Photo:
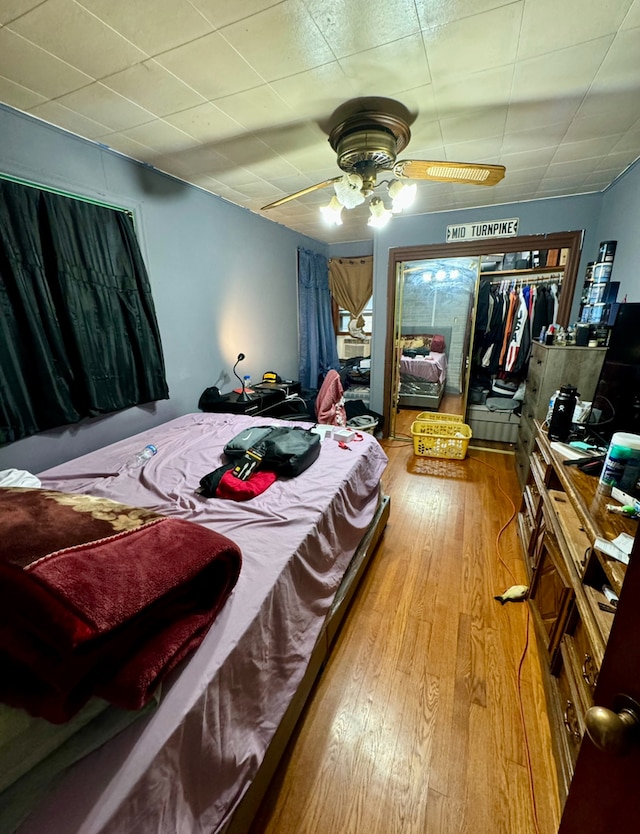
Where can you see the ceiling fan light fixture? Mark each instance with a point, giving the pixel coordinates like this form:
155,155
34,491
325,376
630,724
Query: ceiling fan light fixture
349,190
402,195
380,214
332,213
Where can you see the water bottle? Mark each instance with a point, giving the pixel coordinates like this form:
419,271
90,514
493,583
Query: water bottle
141,457
247,383
562,416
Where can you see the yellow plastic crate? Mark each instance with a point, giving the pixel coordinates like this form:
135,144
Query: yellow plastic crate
440,438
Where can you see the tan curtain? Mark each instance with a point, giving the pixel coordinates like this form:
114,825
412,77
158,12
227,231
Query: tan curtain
351,282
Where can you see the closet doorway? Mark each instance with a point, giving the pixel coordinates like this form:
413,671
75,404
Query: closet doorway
432,292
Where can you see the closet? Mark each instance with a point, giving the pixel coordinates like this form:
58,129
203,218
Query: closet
512,313
508,263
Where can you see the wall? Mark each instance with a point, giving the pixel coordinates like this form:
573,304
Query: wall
619,220
536,217
223,279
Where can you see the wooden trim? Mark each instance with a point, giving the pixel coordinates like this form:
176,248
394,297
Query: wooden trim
556,240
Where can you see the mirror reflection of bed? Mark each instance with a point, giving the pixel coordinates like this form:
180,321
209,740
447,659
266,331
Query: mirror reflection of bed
423,365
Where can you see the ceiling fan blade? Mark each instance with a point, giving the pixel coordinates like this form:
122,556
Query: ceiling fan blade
468,172
301,193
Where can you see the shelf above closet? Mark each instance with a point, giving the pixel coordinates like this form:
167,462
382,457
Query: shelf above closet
511,273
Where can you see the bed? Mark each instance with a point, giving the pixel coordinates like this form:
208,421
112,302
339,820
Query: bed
422,369
199,758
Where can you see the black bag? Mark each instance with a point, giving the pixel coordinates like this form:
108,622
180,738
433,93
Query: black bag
286,450
211,397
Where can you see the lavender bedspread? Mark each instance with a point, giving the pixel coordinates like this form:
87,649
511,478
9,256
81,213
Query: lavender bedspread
431,368
186,766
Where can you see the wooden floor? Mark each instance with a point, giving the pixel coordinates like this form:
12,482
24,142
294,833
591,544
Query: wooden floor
430,717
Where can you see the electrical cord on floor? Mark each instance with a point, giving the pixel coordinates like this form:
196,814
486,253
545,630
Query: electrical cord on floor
525,649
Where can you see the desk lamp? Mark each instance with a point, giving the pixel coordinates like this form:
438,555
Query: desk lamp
243,397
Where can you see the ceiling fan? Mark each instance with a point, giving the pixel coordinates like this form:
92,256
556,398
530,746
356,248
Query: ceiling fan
367,143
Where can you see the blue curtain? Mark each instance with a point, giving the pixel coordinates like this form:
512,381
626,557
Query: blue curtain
318,349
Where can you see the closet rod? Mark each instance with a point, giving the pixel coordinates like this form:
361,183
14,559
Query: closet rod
528,279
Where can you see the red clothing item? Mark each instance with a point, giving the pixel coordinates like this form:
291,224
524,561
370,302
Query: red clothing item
232,487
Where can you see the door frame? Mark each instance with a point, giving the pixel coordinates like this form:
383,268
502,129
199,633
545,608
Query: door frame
556,240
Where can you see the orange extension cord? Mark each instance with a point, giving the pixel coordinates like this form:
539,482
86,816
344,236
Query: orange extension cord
526,641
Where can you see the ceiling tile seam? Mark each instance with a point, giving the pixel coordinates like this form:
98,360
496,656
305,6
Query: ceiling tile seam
266,81
436,115
513,73
576,118
130,42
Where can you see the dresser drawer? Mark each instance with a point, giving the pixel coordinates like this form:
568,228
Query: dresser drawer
583,658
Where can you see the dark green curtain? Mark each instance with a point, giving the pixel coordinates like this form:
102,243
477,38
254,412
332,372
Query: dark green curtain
78,330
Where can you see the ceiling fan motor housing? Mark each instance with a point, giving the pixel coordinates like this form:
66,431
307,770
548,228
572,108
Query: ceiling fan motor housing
368,142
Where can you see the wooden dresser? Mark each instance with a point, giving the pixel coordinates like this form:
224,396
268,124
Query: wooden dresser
549,368
560,517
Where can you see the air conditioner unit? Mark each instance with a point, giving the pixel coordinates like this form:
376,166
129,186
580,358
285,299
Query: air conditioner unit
356,347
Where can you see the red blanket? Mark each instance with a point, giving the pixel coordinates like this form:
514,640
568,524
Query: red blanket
100,598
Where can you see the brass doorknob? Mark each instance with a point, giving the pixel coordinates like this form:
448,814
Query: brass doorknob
614,731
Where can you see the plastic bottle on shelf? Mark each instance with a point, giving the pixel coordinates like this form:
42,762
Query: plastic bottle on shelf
141,457
247,383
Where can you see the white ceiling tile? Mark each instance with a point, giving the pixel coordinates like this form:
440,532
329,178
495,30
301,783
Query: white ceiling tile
525,176
440,12
571,151
613,74
363,24
487,89
378,71
211,67
257,108
473,44
629,141
153,87
556,113
126,145
103,105
617,161
546,136
548,25
201,159
295,42
155,26
205,122
613,112
222,12
34,68
57,114
474,125
527,159
71,33
161,136
478,150
633,16
567,72
578,167
11,9
15,95
317,92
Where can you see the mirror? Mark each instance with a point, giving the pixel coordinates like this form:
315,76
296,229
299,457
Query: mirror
435,306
